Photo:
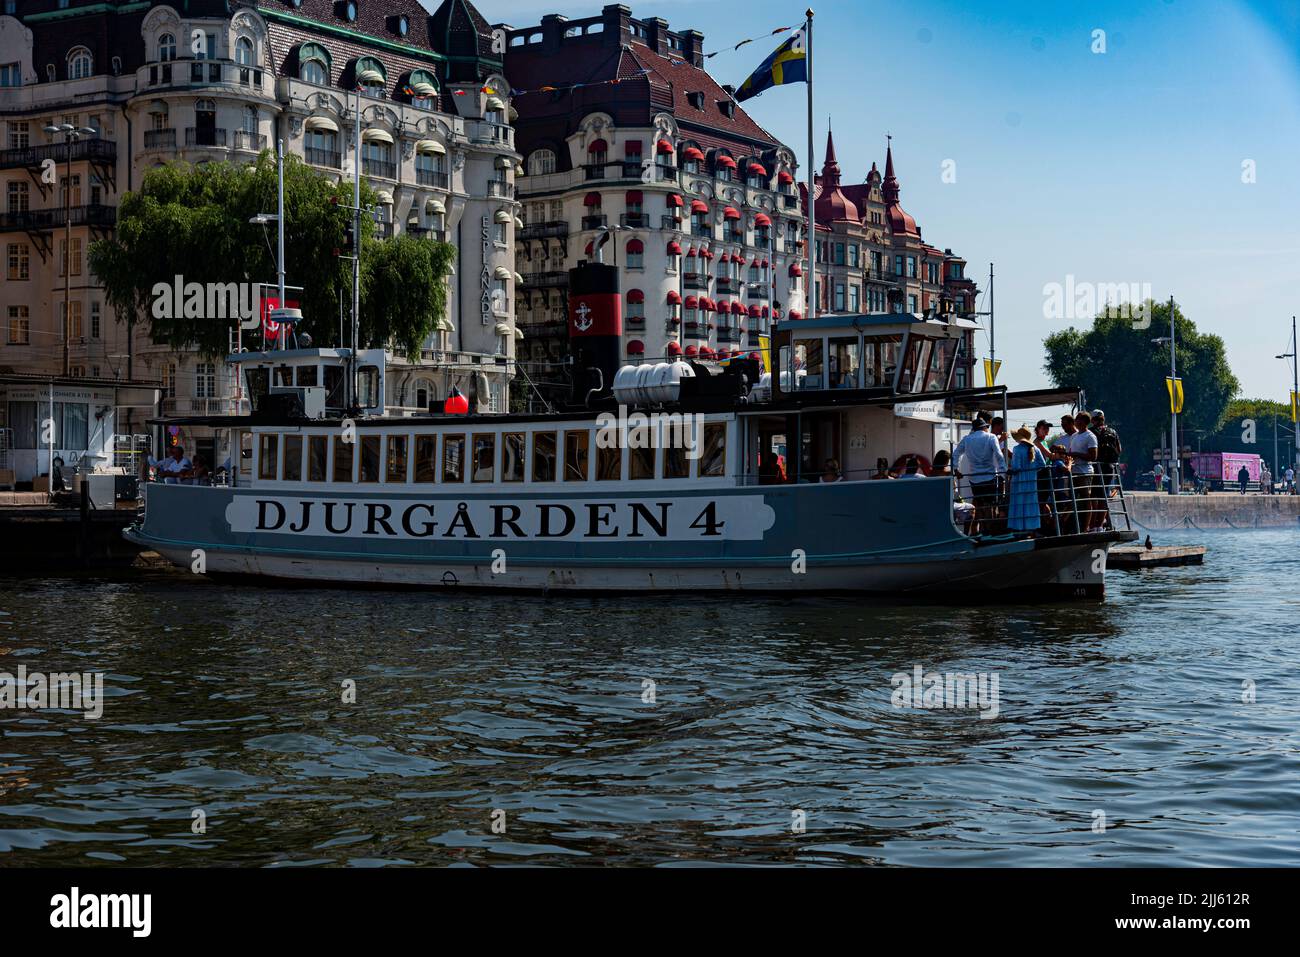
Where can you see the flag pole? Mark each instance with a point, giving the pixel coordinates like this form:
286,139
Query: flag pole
812,205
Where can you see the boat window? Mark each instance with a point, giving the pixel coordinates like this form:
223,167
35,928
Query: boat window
609,464
713,455
576,449
426,458
292,469
334,397
640,464
676,465
485,455
259,381
808,357
283,375
342,460
395,469
938,373
453,458
267,455
879,360
543,456
317,453
512,456
369,459
842,363
305,375
368,387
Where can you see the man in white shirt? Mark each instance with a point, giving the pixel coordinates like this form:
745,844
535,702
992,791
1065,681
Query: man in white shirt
1082,446
1290,479
171,470
979,458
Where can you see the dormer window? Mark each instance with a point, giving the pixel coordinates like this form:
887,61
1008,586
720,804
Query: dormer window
80,64
424,88
348,11
696,100
314,64
728,108
370,77
166,47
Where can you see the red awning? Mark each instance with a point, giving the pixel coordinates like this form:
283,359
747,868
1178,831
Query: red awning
766,312
635,296
597,146
796,314
692,302
796,269
706,254
753,312
674,349
765,264
736,308
674,201
591,199
754,261
674,248
692,351
663,146
674,297
635,246
691,153
784,178
726,161
699,206
632,148
636,347
731,213
706,303
707,353
757,169
634,196
762,219
690,253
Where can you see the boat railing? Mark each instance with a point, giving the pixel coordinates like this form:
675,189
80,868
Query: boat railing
1047,502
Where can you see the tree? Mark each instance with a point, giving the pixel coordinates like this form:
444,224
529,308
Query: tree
1248,427
1123,372
193,222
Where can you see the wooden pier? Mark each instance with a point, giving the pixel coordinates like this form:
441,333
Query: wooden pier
1157,556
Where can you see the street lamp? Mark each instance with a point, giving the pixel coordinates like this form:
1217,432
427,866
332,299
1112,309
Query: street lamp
70,135
1295,392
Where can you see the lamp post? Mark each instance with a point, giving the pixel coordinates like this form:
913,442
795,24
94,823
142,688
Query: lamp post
1173,380
1295,393
70,135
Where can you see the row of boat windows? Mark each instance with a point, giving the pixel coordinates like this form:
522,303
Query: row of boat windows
524,457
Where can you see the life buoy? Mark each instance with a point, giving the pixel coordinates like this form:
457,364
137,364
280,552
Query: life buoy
901,461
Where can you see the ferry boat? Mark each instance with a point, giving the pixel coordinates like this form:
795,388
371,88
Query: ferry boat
682,476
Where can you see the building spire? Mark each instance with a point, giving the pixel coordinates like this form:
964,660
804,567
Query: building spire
889,189
831,168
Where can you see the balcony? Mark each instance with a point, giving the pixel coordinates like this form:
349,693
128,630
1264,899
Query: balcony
634,220
160,139
432,177
594,222
703,230
500,189
205,136
95,150
43,219
481,131
248,140
670,222
695,280
331,159
788,201
728,286
728,334
889,279
193,405
380,168
383,230
547,280
544,230
635,323
758,290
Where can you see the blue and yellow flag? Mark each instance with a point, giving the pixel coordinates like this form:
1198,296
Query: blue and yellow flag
789,64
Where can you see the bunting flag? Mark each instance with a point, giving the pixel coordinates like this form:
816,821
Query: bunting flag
788,64
1175,389
991,369
770,33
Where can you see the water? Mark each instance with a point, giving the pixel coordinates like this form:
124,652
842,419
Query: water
229,700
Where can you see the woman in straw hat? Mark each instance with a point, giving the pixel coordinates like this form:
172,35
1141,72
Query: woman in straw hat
1026,461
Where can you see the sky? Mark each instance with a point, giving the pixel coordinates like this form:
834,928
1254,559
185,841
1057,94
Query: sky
1168,162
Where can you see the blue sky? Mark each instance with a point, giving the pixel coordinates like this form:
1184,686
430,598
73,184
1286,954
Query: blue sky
1123,166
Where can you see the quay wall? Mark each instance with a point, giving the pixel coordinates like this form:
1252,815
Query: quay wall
1153,510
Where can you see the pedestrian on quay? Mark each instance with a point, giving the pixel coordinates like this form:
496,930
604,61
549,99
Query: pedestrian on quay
1265,481
1243,478
1289,475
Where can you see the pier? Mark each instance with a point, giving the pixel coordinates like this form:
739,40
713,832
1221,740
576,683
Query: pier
37,534
1155,511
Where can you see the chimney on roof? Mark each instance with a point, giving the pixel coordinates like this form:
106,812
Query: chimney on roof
656,29
616,24
693,47
553,32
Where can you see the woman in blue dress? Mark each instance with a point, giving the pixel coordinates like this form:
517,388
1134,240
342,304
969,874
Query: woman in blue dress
1023,513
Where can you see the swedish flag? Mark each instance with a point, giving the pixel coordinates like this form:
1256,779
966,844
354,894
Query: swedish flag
789,64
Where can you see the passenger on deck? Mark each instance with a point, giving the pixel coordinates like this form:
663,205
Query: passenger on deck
1027,463
1057,471
1087,487
979,458
198,473
171,470
912,468
942,464
832,472
770,471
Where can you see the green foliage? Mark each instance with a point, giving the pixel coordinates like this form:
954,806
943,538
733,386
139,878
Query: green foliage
1236,428
193,221
1123,372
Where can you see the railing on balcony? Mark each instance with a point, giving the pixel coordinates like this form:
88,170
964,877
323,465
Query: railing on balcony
380,168
544,230
728,285
195,405
703,230
434,178
758,290
636,323
695,280
205,136
726,334
552,278
634,220
160,139
248,140
316,156
670,222
889,278
39,219
383,230
594,222
92,149
481,131
501,189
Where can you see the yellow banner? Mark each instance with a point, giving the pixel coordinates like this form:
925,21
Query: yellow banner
765,350
991,368
1295,400
1175,389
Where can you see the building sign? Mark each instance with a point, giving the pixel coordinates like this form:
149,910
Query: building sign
663,519
931,411
485,276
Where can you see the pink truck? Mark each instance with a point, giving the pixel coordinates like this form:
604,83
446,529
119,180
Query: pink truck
1220,469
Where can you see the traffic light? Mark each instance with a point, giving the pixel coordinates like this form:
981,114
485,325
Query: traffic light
349,238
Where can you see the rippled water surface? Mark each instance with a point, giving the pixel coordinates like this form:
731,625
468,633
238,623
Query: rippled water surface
230,699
